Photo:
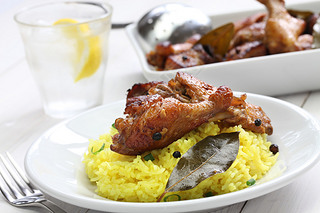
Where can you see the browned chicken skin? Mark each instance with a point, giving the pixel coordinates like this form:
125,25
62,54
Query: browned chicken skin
142,89
193,57
250,116
249,30
155,121
246,22
164,112
165,49
283,31
247,50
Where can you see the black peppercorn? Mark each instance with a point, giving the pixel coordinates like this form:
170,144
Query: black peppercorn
176,154
274,148
157,136
184,57
257,122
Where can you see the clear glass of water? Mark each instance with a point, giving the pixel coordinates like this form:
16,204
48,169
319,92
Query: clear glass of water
66,46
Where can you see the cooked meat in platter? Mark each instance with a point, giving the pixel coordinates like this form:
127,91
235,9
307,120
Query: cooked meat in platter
164,112
247,50
253,32
283,32
165,49
247,22
193,57
261,34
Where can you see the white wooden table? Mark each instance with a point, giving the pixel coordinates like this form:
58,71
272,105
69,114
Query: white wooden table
22,120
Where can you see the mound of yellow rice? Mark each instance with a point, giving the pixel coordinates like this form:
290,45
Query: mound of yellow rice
133,179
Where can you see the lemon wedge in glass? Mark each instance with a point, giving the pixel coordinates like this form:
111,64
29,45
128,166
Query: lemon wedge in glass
88,48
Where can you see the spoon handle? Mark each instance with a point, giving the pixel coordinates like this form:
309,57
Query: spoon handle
119,25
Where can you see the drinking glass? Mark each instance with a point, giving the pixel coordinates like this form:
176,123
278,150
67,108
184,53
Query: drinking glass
66,46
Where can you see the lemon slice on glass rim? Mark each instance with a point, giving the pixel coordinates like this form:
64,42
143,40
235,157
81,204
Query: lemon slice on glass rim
88,48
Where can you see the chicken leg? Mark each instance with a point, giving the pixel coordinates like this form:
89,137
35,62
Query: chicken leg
283,32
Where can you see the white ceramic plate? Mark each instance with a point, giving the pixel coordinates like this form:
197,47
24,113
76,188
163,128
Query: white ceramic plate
268,75
53,162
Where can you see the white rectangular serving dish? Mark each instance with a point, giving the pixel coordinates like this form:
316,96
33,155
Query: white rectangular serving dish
268,75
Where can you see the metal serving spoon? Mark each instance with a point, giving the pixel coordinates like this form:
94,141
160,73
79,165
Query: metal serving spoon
172,22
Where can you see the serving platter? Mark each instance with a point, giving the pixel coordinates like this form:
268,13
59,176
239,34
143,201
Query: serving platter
268,75
54,161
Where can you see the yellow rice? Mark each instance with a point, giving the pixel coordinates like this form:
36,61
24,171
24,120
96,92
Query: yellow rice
131,178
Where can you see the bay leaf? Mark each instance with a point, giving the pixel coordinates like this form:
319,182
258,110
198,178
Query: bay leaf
210,156
219,38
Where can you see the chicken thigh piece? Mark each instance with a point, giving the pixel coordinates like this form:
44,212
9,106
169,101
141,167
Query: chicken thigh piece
249,116
283,31
166,113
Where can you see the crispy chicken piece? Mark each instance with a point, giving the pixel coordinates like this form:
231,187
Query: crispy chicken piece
156,120
254,32
164,49
248,39
157,117
243,23
193,57
250,116
247,50
142,89
188,58
283,31
167,56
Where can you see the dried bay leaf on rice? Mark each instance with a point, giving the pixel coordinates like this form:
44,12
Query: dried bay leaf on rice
219,39
210,156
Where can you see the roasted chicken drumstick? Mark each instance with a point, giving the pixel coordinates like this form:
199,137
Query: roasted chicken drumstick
159,113
283,31
167,113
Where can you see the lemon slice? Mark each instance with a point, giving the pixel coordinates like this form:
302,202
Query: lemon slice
88,49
